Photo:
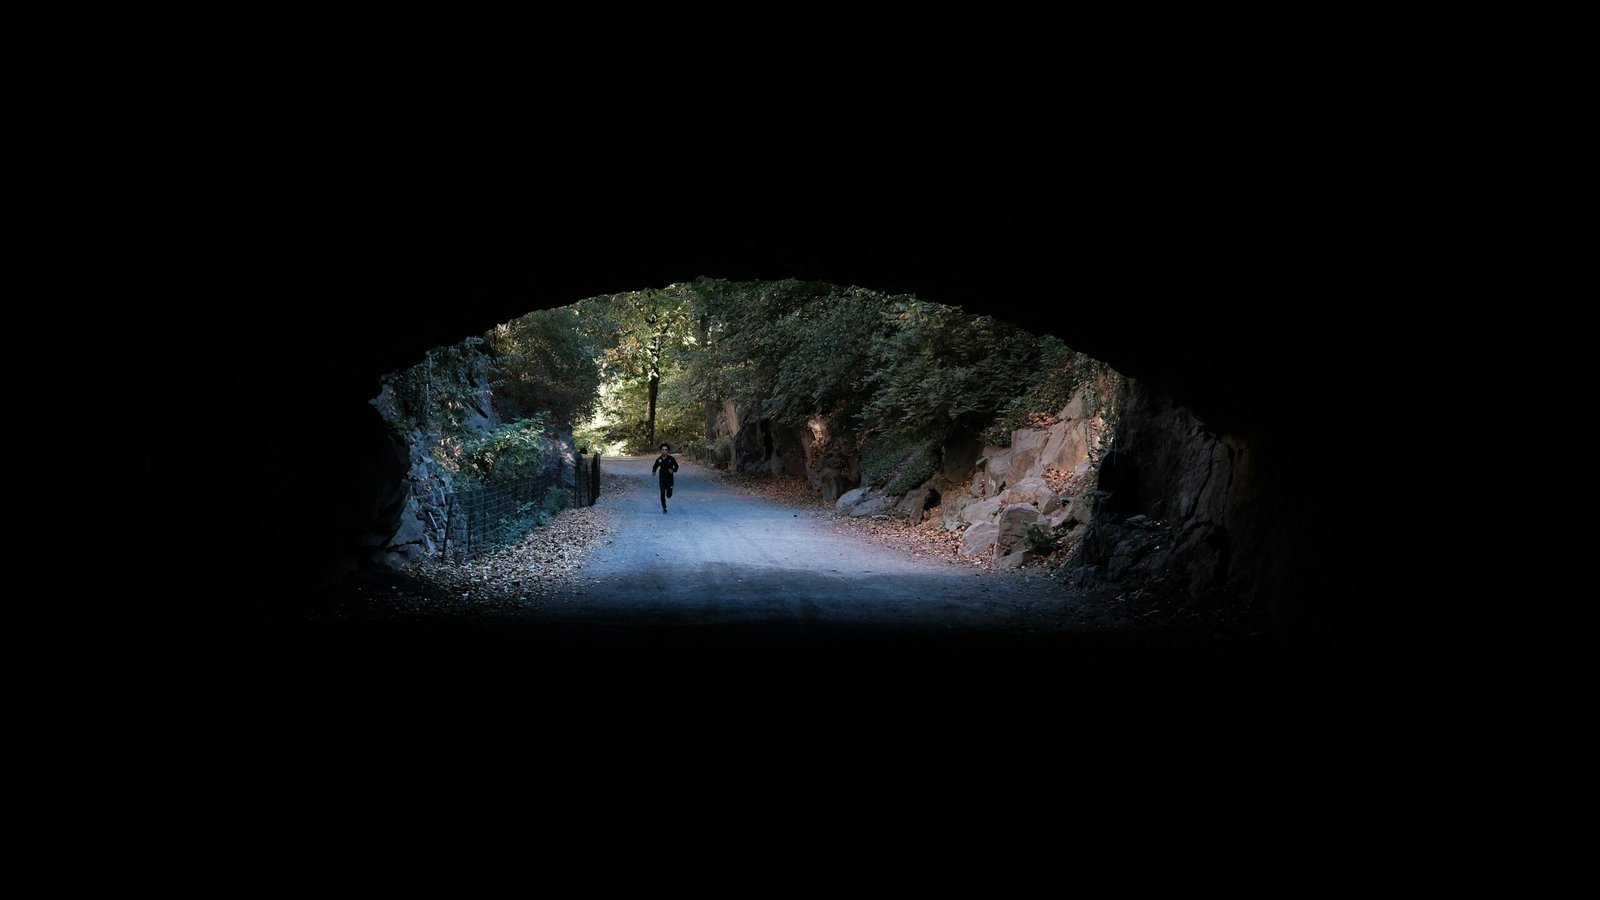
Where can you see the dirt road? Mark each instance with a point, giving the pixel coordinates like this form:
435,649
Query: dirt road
746,575
732,602
733,615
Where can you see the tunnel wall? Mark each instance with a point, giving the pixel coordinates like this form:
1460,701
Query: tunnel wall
330,310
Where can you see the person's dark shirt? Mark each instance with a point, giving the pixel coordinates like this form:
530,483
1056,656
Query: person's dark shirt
667,465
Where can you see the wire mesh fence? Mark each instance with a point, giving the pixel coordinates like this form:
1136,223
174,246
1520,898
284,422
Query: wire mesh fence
481,519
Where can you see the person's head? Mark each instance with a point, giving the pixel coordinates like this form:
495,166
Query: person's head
665,448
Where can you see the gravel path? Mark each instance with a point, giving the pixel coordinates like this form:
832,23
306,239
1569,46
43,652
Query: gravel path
727,566
734,602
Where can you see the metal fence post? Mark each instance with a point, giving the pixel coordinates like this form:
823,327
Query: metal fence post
449,516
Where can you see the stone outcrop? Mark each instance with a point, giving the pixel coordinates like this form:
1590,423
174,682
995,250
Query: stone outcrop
761,446
1175,507
1044,479
424,509
1205,516
1011,548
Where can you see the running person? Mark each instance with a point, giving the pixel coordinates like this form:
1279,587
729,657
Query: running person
667,465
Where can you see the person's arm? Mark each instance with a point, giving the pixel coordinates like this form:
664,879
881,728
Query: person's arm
655,465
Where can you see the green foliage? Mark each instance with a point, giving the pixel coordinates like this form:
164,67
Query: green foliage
514,450
939,371
645,339
533,513
791,349
917,469
589,436
1040,537
897,463
1060,372
546,362
553,501
1105,401
636,330
443,394
893,369
621,422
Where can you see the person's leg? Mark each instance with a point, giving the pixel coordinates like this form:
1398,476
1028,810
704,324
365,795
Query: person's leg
663,496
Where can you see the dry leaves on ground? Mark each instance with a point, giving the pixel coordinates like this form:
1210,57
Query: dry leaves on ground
513,579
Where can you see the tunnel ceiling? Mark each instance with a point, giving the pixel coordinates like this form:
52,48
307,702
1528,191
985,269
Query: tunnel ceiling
1242,323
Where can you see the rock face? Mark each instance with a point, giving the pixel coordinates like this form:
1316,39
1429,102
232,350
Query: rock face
422,522
833,483
419,513
761,446
993,495
1011,543
1044,468
1188,510
424,512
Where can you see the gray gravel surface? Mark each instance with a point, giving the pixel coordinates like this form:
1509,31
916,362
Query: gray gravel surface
734,610
722,562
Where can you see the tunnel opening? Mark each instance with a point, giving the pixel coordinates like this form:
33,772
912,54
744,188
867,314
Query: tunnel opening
1221,429
978,439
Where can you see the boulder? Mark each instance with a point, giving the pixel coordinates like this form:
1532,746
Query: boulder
978,538
405,553
914,504
1075,406
873,505
1014,560
412,530
850,498
1077,509
996,461
1014,522
978,484
950,511
1067,446
1032,490
981,511
1027,447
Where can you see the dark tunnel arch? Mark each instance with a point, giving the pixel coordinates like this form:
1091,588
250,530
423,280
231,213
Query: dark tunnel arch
1213,325
1198,319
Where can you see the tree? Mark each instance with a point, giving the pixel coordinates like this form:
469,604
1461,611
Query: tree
639,333
545,362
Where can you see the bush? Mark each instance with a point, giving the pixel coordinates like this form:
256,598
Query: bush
514,450
939,371
898,464
1061,371
444,394
1040,538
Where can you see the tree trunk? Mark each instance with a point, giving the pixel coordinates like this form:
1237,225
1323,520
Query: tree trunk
655,388
650,421
711,404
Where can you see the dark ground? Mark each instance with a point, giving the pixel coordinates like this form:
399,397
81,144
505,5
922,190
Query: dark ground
735,602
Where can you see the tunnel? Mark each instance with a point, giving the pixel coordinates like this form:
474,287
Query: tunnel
1256,330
